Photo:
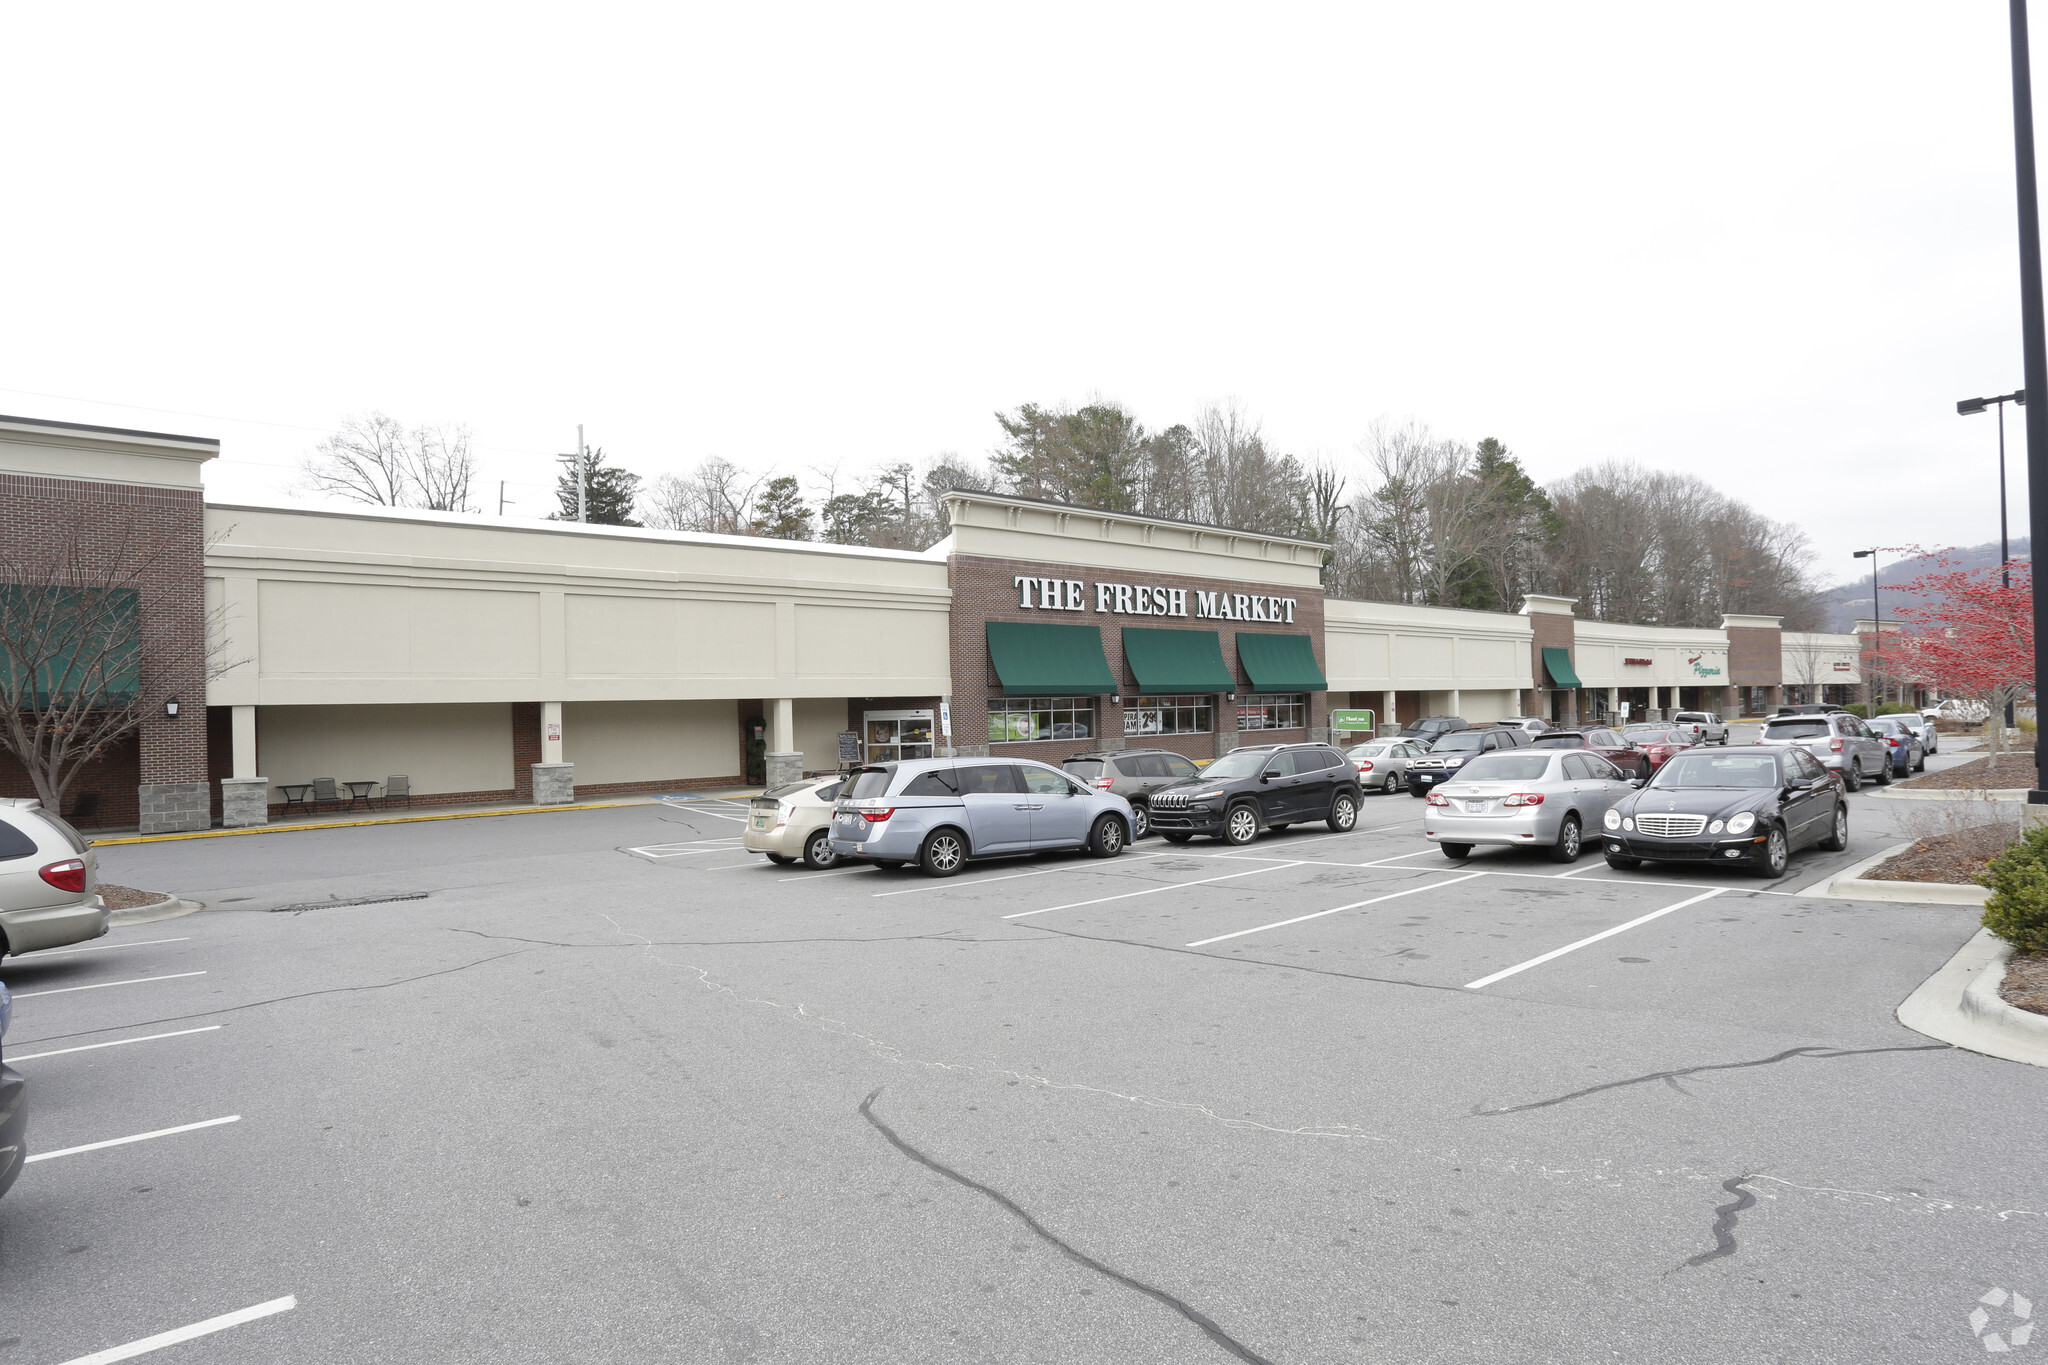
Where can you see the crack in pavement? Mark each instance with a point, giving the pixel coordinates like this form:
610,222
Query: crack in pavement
1670,1078
276,1000
1724,1222
1209,1326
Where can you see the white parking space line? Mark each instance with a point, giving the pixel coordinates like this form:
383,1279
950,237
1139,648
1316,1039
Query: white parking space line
102,947
720,815
1538,961
1281,924
118,1042
682,851
135,1137
102,985
1560,876
1041,872
1153,890
178,1334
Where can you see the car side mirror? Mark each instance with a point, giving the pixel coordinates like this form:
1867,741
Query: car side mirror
1635,781
1268,775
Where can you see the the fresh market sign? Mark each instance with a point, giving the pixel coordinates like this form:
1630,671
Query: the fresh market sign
1142,599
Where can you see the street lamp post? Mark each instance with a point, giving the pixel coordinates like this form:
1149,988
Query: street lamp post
1876,628
1971,407
2033,337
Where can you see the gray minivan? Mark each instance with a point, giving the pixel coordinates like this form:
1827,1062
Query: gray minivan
941,812
1133,774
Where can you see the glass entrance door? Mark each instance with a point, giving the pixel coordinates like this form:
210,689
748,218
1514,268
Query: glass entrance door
891,735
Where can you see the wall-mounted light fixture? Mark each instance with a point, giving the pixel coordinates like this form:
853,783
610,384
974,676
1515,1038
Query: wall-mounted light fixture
171,707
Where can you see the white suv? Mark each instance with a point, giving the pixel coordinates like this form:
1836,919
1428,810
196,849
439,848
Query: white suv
49,881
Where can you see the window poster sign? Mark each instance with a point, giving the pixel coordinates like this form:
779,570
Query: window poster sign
1142,599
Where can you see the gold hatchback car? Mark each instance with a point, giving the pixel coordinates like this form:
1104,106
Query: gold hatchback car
794,821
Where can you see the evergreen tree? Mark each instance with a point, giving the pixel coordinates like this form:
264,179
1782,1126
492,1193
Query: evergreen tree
779,511
609,495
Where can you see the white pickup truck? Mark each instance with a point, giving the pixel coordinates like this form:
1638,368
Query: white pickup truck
1706,727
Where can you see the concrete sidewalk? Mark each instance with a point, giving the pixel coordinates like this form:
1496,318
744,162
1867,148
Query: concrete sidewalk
421,814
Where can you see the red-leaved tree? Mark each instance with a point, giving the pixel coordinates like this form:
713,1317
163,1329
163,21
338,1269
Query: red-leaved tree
1967,634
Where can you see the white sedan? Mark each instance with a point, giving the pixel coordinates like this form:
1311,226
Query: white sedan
794,821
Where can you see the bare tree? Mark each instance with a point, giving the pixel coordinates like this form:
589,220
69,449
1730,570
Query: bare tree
717,496
375,459
79,670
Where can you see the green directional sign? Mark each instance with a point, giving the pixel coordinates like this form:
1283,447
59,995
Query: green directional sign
1355,721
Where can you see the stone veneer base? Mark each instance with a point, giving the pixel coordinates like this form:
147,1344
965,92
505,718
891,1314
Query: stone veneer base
173,807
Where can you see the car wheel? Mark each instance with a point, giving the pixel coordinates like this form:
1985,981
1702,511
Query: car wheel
1921,766
1884,772
818,852
1343,813
1106,840
1459,852
1141,820
1621,864
1643,770
780,859
1852,776
1241,824
1776,852
1391,785
1176,838
1566,849
944,853
1838,838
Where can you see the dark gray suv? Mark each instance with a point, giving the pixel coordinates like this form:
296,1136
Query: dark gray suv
1133,774
1266,786
1454,750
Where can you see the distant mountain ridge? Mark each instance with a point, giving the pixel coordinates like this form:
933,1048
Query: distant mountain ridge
1841,606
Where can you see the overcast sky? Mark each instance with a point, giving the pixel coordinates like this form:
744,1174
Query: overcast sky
1768,243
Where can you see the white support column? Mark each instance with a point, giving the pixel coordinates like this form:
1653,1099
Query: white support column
784,763
1613,704
551,732
1457,704
245,741
1387,715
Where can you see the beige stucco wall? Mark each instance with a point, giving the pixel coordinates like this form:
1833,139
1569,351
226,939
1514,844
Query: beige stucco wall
321,607
1811,659
818,723
1375,646
133,457
998,527
1600,648
442,748
650,741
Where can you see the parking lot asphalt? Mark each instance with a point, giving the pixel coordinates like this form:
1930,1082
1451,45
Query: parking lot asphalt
605,1087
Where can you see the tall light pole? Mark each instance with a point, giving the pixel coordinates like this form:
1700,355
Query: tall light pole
1971,407
2034,339
1876,627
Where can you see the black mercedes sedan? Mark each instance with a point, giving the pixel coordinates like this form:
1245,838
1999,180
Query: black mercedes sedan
1749,807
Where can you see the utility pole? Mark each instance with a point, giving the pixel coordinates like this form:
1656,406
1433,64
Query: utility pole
501,497
2034,339
582,476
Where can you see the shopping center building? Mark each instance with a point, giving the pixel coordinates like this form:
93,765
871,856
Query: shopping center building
491,660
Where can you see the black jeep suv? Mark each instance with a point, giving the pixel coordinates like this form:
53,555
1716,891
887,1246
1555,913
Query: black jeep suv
1264,786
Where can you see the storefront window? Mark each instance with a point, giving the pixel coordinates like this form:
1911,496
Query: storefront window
1013,720
898,734
1170,716
1273,711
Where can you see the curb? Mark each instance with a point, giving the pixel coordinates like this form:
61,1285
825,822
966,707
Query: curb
170,907
1952,794
1960,1005
354,824
1851,884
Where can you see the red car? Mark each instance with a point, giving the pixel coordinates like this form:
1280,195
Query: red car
1596,739
1656,743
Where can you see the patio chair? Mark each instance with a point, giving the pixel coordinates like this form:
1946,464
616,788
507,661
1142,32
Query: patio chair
397,785
325,790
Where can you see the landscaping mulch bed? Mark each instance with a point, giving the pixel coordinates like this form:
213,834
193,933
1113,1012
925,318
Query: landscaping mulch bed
2026,982
127,897
2009,769
1957,857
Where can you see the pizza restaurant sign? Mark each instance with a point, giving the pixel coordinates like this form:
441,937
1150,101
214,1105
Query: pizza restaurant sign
1142,599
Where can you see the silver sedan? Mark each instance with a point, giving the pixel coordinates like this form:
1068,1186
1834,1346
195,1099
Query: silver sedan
1534,798
1383,763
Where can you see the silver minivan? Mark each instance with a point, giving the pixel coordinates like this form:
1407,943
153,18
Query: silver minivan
49,881
941,812
1844,745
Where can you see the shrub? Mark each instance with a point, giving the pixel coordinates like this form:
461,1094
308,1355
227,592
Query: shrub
2017,910
2027,724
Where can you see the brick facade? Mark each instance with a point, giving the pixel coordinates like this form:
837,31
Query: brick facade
1756,656
984,591
117,527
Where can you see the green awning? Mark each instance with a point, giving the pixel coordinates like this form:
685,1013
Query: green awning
1558,663
1035,659
1177,660
1280,663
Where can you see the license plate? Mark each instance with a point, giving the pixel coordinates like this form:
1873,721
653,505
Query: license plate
1477,807
1424,777
760,822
